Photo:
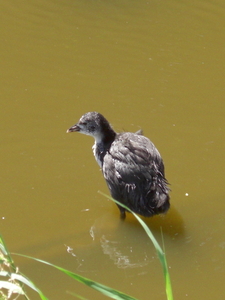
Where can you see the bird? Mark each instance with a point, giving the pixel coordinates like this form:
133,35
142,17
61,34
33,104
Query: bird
131,165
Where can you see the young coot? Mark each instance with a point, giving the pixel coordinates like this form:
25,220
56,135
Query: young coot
131,165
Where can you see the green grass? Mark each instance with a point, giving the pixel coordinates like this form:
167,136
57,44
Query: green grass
160,252
13,281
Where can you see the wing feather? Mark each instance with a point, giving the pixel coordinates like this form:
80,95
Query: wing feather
131,168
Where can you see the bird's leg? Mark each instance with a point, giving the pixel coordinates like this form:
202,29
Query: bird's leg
122,212
123,215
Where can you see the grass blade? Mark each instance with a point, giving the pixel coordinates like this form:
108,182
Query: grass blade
75,295
5,254
15,279
105,290
11,287
29,283
159,250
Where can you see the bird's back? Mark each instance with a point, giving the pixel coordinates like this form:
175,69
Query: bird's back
134,172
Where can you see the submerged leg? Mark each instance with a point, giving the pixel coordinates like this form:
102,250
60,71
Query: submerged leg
122,212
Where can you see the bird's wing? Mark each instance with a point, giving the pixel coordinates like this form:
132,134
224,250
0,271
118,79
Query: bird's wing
131,158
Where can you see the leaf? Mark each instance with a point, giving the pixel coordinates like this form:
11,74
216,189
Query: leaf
12,287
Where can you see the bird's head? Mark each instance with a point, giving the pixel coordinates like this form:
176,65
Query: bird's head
90,124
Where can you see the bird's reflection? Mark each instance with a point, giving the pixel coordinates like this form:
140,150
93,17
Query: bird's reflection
115,252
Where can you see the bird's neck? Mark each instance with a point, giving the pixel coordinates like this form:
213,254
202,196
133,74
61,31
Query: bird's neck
102,145
99,153
108,137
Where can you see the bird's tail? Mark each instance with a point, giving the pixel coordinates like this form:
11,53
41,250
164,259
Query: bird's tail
161,197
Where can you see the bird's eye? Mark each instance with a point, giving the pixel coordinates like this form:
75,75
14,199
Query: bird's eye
92,127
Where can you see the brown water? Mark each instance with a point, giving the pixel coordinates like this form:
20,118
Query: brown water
156,65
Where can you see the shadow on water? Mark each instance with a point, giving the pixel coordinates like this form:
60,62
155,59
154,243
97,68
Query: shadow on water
171,223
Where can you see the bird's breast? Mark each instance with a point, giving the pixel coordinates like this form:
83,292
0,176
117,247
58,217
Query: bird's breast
98,152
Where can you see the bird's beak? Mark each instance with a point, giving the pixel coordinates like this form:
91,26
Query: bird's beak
73,128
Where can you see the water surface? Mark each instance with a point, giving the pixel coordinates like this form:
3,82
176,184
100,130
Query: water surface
154,65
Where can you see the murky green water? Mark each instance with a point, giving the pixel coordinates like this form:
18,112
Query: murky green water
153,65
